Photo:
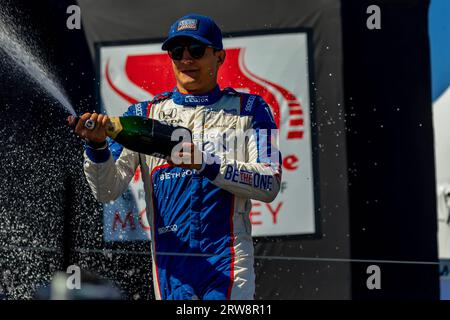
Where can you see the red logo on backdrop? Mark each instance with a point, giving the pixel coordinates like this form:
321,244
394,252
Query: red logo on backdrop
153,73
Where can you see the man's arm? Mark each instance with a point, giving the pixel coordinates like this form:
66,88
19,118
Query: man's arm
109,179
258,177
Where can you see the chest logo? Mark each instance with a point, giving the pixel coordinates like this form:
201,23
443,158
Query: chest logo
168,114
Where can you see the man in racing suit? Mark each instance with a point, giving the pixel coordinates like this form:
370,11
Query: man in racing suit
198,211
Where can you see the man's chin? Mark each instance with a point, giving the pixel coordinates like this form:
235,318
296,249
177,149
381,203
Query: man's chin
191,85
188,80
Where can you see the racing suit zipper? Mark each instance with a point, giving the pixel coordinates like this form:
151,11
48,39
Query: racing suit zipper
197,186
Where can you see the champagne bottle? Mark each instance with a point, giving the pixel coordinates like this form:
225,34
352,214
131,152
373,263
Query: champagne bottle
145,135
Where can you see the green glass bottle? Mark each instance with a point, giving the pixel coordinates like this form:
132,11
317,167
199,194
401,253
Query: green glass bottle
143,135
147,135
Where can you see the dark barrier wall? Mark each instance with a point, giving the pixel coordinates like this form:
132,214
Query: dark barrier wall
390,148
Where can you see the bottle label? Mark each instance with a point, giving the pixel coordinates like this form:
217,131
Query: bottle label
114,127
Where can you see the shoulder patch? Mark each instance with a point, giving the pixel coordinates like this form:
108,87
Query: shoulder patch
249,102
138,109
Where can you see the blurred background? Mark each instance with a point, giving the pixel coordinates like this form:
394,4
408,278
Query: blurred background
363,101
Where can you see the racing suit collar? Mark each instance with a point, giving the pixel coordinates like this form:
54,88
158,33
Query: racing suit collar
197,99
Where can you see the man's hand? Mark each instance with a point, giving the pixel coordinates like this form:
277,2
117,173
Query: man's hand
190,157
98,134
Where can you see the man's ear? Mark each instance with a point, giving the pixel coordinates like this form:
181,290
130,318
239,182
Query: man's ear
221,57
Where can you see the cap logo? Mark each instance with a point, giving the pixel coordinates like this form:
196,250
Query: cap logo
187,24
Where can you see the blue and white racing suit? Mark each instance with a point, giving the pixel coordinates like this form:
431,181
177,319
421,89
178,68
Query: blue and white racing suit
201,232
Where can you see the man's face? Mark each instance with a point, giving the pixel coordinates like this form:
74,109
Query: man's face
195,74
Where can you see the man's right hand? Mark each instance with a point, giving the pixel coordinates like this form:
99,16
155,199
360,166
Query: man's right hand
98,134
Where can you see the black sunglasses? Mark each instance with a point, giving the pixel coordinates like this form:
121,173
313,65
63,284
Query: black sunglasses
196,50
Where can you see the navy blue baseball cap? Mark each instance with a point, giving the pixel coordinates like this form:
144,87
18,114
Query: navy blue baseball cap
198,27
